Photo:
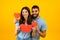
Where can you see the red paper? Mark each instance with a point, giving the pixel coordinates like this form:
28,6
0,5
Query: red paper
27,28
17,15
34,24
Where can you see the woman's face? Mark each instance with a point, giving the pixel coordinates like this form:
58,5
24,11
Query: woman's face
25,13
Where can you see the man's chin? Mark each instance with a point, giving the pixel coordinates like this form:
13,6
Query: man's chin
34,17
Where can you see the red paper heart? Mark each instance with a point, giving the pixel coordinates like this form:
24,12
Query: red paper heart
27,28
34,24
17,15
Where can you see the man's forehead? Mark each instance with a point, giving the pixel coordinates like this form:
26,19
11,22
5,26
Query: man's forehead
35,9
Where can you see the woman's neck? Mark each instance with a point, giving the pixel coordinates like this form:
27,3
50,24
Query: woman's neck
25,20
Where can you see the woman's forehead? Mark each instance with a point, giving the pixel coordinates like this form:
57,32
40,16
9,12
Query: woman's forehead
24,9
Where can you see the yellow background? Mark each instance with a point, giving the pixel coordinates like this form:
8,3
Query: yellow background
49,10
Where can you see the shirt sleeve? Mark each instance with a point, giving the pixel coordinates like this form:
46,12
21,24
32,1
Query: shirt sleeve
43,26
17,24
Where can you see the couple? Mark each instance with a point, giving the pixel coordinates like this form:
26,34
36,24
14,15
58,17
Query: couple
27,19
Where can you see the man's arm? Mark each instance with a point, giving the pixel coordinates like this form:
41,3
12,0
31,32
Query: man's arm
42,30
41,33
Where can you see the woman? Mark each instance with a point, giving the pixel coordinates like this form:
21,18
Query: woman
25,18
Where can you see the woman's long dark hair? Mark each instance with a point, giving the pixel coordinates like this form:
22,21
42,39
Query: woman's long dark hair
29,19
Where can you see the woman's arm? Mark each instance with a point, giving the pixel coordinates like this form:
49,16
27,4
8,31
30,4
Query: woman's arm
15,20
17,26
16,30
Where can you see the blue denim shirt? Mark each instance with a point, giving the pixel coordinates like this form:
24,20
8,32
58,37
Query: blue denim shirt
21,34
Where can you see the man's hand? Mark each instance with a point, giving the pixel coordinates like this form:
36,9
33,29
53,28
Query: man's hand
41,33
37,29
33,31
34,28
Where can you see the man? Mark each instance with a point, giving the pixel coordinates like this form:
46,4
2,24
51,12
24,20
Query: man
41,28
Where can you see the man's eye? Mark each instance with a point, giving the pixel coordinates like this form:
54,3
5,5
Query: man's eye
35,10
32,11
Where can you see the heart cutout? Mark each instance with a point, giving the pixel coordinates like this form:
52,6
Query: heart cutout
27,28
17,15
34,24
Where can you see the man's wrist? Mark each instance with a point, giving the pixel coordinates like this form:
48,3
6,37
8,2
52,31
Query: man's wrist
38,31
33,30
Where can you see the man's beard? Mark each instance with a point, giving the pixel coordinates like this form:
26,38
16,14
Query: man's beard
34,16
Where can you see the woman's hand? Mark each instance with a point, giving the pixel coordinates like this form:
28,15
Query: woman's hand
15,20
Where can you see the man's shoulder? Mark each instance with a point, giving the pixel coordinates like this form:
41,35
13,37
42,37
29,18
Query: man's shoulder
41,20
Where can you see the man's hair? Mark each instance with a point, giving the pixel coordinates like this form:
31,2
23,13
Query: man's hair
35,6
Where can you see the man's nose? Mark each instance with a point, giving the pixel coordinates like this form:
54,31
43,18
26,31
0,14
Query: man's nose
34,12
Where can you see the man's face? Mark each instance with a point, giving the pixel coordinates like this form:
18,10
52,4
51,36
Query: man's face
35,13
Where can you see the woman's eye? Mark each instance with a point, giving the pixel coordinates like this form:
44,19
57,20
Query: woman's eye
26,12
22,12
32,11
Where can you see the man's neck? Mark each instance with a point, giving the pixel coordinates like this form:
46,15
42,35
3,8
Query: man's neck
38,17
